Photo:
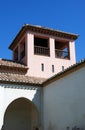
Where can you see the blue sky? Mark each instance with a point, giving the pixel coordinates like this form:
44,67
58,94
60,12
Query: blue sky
64,15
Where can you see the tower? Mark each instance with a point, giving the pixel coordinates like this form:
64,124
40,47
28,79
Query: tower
44,51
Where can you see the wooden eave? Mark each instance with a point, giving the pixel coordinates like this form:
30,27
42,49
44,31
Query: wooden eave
42,30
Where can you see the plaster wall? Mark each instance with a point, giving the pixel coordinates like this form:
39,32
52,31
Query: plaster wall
72,51
64,102
34,61
21,114
9,93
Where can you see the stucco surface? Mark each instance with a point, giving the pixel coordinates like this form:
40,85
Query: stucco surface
10,93
34,61
64,102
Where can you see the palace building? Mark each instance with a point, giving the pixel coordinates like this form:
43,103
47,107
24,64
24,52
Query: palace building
42,87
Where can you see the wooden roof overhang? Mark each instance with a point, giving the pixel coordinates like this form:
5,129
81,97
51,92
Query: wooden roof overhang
42,30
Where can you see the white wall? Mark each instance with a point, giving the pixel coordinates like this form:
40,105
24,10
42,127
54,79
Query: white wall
64,102
21,114
9,93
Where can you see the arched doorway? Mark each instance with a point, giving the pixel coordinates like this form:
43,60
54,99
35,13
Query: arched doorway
21,114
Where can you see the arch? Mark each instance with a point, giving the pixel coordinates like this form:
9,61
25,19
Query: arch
21,114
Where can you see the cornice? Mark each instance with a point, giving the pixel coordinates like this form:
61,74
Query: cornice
42,30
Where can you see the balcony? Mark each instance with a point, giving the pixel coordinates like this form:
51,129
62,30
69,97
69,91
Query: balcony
38,50
61,54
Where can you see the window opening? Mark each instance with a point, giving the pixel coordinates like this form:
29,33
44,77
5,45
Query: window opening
42,67
53,68
41,46
62,49
62,68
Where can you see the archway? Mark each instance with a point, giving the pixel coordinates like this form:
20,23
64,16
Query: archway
21,114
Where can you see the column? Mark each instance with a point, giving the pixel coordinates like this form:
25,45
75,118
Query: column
72,51
26,48
52,47
29,47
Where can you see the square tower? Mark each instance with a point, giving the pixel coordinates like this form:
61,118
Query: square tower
44,51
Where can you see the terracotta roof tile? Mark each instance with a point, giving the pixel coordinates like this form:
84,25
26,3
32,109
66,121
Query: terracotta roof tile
23,79
9,77
20,79
10,63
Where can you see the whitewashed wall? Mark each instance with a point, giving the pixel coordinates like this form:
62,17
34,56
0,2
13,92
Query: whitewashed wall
9,93
64,102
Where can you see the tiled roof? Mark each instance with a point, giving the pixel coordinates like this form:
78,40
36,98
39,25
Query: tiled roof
12,74
10,63
23,79
20,79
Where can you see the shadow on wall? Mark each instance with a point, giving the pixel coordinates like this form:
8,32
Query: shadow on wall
37,98
52,126
21,114
2,127
37,101
74,128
